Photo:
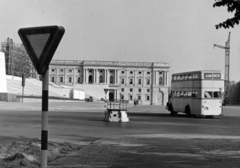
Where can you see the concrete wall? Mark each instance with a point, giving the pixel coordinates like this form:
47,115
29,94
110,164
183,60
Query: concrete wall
3,82
95,91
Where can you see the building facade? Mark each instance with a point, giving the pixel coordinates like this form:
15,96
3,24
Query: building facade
145,81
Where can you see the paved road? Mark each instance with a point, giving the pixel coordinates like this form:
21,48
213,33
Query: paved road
153,138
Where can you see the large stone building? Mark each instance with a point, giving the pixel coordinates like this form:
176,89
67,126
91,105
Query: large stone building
145,81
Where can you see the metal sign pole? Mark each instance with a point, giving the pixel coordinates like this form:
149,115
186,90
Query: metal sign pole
44,135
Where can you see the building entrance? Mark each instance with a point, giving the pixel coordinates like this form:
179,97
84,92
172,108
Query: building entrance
111,96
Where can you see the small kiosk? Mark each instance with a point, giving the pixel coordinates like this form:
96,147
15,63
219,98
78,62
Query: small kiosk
116,111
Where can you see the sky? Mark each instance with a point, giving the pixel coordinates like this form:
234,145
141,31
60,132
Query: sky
179,32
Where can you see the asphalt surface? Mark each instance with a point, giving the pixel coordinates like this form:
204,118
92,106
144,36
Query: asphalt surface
152,138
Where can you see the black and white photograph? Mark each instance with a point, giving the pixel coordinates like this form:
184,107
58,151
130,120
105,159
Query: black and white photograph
120,84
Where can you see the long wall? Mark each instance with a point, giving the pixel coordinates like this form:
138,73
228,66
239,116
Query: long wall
145,81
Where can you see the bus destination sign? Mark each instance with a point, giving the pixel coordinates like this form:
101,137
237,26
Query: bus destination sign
212,75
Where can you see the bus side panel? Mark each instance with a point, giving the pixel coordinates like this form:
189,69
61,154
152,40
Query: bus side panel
196,107
177,104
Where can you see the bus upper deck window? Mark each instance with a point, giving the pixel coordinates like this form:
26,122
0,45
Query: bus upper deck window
208,94
178,94
185,94
186,77
189,94
178,77
217,94
189,76
194,94
174,78
195,76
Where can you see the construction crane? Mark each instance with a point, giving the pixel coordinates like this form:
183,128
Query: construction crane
227,66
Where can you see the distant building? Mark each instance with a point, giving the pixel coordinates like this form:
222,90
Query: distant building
145,81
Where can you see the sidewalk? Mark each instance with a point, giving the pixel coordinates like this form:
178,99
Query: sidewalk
139,152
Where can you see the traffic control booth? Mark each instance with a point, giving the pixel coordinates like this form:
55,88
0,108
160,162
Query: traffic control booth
116,110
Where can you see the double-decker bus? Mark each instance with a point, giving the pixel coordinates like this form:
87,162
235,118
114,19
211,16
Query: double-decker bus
197,93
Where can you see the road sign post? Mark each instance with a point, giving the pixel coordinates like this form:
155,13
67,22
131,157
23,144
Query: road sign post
41,44
44,133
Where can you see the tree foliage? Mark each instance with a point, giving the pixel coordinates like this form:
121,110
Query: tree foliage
233,6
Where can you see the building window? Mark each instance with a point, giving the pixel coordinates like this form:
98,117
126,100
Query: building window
61,79
140,72
123,72
130,97
122,89
148,73
79,70
139,97
100,79
131,81
122,81
131,89
139,90
160,73
148,81
69,79
78,80
52,79
111,79
53,70
147,97
131,72
90,79
139,81
160,80
61,70
70,70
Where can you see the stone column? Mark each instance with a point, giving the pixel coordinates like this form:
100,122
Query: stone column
73,76
126,78
56,79
134,79
166,77
97,76
106,76
84,75
65,75
115,76
143,84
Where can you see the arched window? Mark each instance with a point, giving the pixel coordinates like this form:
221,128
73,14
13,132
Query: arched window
160,81
139,81
122,80
90,79
148,81
131,81
101,79
79,80
111,79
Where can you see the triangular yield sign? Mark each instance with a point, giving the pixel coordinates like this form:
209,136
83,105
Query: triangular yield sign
41,44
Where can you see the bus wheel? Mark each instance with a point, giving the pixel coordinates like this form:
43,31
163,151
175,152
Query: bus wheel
187,111
170,107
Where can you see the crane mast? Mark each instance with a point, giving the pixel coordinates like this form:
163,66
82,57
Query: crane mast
227,67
